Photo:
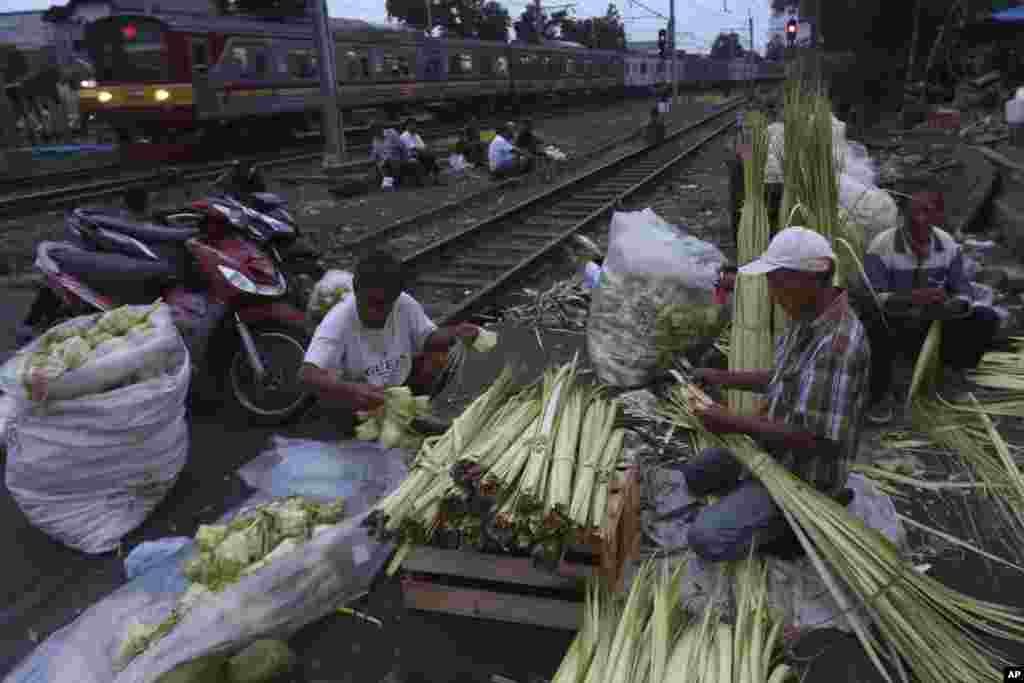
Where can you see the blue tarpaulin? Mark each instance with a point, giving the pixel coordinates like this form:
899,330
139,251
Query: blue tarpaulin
1014,15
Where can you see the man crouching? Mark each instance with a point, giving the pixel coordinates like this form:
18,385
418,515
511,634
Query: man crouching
816,396
378,338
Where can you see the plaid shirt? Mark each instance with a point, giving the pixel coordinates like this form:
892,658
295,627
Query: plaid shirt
821,385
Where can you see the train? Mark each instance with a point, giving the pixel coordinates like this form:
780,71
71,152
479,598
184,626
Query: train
170,75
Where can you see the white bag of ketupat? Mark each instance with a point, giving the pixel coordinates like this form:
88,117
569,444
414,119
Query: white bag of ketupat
868,206
93,354
651,265
86,471
331,290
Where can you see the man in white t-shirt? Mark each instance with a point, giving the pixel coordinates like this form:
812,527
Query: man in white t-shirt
381,337
418,151
506,159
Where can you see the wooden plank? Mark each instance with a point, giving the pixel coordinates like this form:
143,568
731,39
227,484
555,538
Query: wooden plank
483,604
514,570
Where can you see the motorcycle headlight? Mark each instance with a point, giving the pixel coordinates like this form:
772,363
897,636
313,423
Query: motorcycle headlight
242,283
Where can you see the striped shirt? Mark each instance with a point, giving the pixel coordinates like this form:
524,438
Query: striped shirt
892,266
820,385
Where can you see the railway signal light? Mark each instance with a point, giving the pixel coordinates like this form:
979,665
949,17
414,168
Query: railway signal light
129,31
663,43
791,30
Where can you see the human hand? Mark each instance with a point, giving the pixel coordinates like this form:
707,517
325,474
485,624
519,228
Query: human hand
365,398
468,332
715,418
928,296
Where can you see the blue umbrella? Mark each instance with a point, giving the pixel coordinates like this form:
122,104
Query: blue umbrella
1014,15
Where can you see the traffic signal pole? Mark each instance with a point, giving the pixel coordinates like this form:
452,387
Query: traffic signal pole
672,51
331,119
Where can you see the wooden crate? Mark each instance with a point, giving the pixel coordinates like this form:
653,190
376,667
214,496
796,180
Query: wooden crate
510,588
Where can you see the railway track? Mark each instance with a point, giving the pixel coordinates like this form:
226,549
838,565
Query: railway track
457,275
23,203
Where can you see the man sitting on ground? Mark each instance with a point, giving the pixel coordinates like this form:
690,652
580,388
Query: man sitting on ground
654,133
378,338
816,395
471,146
527,140
917,271
506,160
389,155
417,149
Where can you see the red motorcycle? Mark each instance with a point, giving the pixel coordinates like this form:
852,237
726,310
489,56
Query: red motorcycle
226,294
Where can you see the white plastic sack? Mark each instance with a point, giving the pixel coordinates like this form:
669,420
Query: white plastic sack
457,162
317,578
102,373
89,470
859,164
332,288
870,207
650,264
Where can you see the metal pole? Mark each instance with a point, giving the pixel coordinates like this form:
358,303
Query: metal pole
540,23
430,18
672,51
750,58
334,136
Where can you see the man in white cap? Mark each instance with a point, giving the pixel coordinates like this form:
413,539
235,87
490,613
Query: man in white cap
816,397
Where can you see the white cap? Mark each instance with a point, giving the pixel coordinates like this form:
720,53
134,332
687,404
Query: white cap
794,249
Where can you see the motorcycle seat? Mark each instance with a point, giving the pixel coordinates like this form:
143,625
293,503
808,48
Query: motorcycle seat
116,275
149,233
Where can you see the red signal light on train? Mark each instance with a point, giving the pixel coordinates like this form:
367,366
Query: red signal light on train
129,31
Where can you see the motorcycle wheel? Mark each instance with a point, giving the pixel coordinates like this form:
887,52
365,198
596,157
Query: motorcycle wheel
278,398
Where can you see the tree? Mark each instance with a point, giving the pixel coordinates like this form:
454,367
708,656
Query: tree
13,65
605,33
727,46
494,22
529,21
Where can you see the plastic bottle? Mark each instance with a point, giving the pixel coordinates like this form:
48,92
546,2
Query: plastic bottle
591,275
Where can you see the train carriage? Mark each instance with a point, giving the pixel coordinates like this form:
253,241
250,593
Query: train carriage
163,75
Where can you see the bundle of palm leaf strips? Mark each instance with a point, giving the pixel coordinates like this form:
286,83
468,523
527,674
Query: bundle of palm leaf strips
518,471
924,631
650,637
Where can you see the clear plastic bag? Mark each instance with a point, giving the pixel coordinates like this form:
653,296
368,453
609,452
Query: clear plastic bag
651,264
316,578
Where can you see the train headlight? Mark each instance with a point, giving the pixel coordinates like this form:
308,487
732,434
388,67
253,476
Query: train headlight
88,84
104,96
161,95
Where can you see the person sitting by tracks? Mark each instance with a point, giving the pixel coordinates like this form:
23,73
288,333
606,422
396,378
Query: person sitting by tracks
378,338
654,132
527,139
418,151
816,398
470,146
917,272
391,159
505,159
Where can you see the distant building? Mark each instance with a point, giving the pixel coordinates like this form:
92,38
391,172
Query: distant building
31,35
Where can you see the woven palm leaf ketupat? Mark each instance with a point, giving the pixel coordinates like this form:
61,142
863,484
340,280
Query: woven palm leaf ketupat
750,345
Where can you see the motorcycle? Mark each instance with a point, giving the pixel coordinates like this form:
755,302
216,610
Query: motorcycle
225,292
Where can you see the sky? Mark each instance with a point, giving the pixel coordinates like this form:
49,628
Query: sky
697,21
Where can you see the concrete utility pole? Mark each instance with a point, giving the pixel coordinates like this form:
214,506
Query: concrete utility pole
750,57
539,21
331,119
672,51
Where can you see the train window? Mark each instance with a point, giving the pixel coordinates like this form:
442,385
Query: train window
501,66
460,64
302,64
486,65
357,66
248,61
434,66
394,66
570,66
643,67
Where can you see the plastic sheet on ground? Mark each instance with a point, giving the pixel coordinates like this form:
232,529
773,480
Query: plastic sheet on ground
320,576
795,587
